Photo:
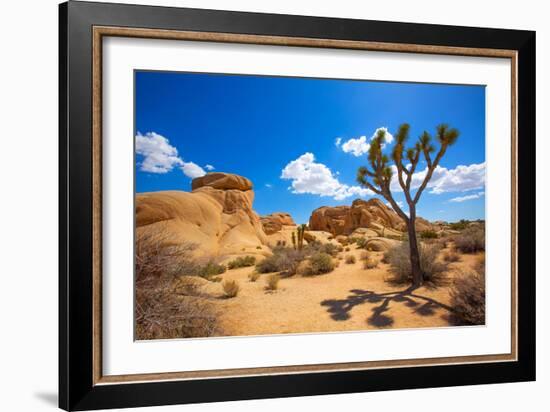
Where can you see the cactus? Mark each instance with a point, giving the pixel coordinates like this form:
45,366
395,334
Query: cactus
294,240
300,231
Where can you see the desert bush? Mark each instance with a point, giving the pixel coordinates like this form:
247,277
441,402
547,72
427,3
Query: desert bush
370,263
365,254
471,240
157,253
468,297
451,256
350,259
230,288
258,247
400,264
317,264
241,262
347,249
272,282
253,276
285,260
460,225
428,234
361,243
210,269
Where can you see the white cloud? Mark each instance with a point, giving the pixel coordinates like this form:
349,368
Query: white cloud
467,197
268,185
308,176
356,147
192,170
399,203
159,156
338,141
459,179
209,167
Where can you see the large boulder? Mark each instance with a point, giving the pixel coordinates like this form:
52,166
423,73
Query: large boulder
217,216
370,214
274,222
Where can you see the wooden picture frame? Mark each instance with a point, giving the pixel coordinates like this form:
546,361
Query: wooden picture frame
82,385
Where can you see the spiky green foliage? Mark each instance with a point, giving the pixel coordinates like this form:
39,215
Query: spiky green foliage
294,240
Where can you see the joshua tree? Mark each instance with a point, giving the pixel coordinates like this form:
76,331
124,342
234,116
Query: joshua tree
294,240
379,176
300,231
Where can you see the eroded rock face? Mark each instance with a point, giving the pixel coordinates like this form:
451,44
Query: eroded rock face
370,214
274,222
217,215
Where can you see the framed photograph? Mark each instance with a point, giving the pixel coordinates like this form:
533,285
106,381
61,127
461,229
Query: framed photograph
257,205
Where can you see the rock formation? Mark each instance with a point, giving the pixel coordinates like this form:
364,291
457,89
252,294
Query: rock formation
274,222
369,214
216,215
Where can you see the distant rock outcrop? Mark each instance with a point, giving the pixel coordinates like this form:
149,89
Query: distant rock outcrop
217,215
274,222
369,214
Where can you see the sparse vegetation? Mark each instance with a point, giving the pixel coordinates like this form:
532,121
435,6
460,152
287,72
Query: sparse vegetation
210,269
361,243
241,262
273,282
350,259
230,288
347,249
317,264
471,240
433,270
164,307
468,296
451,256
370,263
428,234
283,260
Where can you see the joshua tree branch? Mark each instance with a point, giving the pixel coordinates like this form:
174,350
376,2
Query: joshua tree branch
431,169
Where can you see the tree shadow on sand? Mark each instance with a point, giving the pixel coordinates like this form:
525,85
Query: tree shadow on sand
340,309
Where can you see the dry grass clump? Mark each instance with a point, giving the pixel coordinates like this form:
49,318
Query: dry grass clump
468,296
347,249
253,276
471,240
400,264
361,243
451,256
230,288
350,259
428,234
317,264
242,262
370,263
164,308
273,282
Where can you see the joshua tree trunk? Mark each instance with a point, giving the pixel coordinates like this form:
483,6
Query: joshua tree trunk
416,270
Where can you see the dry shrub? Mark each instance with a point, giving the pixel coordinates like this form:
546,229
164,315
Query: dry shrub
273,282
468,296
471,240
347,249
451,256
284,260
164,308
399,259
241,262
361,243
317,264
253,277
370,263
365,255
230,288
428,234
350,259
209,269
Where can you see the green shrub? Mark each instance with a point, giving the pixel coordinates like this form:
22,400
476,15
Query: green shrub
230,288
400,263
318,263
350,259
272,282
460,225
210,269
241,262
471,240
428,234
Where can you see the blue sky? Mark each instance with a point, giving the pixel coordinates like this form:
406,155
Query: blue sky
299,140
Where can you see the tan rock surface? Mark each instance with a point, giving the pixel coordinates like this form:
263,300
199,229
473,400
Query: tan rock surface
274,222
